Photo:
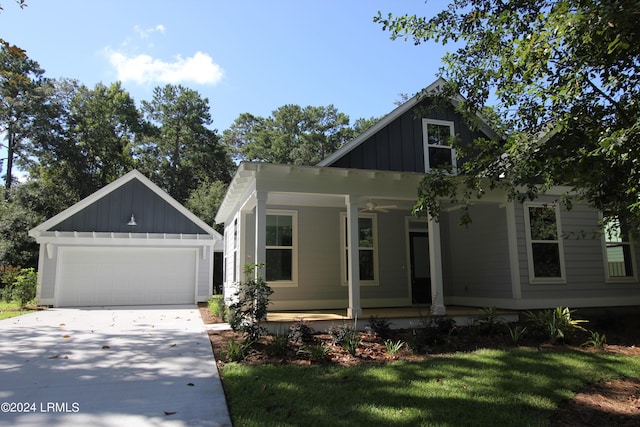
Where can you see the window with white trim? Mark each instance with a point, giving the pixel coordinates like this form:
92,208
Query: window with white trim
367,248
281,247
618,252
438,152
544,245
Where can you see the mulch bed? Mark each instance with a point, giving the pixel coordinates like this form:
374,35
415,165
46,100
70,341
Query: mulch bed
612,403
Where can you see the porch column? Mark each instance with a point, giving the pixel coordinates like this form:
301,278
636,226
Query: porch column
435,264
260,255
353,259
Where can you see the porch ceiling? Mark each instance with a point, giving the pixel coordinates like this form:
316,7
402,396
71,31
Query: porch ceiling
317,186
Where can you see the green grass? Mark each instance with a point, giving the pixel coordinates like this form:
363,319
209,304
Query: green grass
516,387
11,309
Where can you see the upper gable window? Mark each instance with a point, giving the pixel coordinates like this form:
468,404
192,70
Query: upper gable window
438,152
618,252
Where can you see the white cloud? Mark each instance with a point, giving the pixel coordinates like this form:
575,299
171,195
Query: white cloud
145,33
143,69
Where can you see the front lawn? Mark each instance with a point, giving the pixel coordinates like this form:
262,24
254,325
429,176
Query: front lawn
514,387
12,309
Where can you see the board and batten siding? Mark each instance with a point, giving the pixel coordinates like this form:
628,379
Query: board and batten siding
112,213
476,257
399,145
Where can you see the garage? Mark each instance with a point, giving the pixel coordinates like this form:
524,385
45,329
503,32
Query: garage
130,276
130,243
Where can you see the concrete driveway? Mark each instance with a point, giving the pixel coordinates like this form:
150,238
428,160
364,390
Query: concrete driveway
138,366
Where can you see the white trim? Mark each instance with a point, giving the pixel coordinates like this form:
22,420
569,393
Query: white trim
134,174
334,304
408,230
562,279
605,256
512,241
63,252
343,250
542,303
426,145
293,283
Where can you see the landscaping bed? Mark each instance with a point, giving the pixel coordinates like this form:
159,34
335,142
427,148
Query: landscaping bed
614,402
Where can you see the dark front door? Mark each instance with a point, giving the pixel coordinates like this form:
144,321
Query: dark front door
420,274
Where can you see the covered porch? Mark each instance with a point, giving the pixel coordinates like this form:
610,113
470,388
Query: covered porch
398,317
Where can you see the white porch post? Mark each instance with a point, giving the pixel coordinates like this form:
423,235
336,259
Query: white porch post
260,255
435,264
353,260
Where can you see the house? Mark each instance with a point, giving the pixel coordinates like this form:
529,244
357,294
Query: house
129,243
340,234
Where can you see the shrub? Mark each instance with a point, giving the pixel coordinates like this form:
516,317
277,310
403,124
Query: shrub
556,324
278,346
217,307
301,332
316,352
489,321
393,347
380,327
24,287
346,337
237,351
517,333
596,340
252,299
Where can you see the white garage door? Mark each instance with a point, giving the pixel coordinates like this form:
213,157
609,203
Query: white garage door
125,276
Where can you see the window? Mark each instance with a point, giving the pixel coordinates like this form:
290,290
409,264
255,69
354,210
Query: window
618,252
544,246
367,248
281,236
438,152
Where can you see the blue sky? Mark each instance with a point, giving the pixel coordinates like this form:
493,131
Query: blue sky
244,56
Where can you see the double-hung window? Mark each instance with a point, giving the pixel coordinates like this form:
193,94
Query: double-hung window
618,252
438,152
367,248
544,245
281,250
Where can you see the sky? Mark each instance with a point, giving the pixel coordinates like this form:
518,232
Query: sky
243,56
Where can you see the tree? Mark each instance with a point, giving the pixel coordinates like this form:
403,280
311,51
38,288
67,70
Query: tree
291,135
205,201
564,76
181,152
31,203
83,139
20,81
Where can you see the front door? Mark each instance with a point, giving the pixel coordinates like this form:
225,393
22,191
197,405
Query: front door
420,273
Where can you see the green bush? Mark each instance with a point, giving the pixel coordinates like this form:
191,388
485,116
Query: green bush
556,324
252,300
23,288
217,307
346,337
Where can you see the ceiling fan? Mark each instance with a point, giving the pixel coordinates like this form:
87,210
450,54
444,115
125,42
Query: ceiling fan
374,207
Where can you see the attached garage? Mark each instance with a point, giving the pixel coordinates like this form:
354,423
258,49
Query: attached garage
128,244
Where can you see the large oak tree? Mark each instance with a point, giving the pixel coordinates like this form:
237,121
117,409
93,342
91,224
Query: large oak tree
563,76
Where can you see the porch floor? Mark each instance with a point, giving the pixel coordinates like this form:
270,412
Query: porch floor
410,312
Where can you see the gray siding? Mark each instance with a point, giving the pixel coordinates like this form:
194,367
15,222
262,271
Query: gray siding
583,254
476,258
399,146
112,213
319,257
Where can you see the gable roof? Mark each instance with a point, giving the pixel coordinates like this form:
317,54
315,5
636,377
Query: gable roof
109,188
393,115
